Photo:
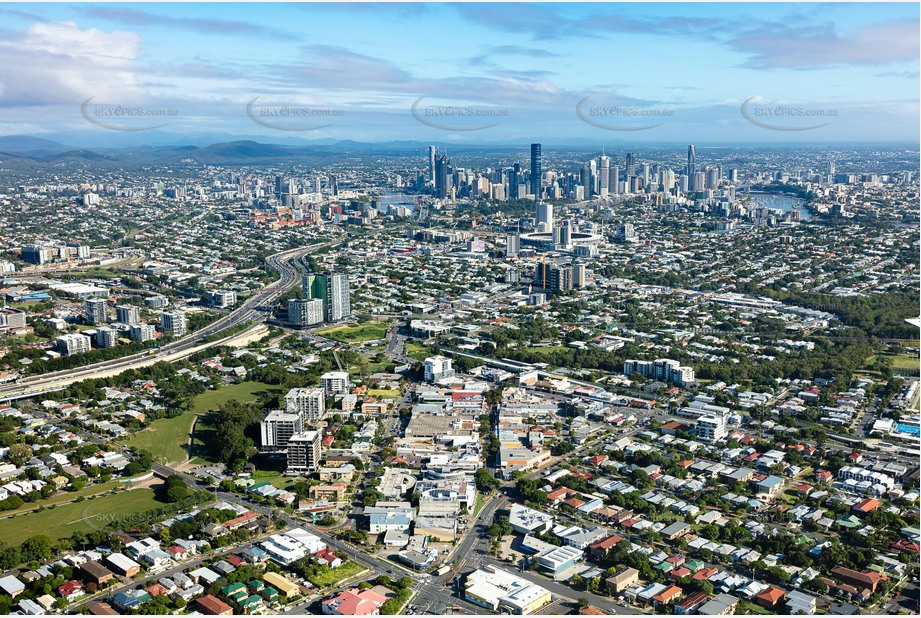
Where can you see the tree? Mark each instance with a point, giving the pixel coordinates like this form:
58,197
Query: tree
583,603
176,489
19,454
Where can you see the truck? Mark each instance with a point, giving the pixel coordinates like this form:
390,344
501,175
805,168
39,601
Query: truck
442,570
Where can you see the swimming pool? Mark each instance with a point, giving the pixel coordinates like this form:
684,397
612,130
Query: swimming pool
912,430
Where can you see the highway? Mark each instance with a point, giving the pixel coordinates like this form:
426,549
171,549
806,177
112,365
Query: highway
286,262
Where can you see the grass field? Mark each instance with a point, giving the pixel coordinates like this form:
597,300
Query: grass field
64,520
166,438
904,361
417,351
243,392
68,496
384,393
353,334
334,576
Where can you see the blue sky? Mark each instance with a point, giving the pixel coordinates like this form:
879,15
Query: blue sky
845,72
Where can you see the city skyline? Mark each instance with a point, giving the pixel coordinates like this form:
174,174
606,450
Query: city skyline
500,73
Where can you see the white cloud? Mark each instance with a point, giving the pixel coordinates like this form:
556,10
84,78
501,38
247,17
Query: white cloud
57,62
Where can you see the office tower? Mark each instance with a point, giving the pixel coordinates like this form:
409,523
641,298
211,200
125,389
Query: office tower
536,171
309,403
553,277
72,343
733,175
604,175
333,290
614,180
142,332
173,322
645,174
625,232
95,310
512,245
277,428
544,216
683,184
514,180
585,179
691,168
437,367
339,300
700,181
712,178
578,275
303,453
432,164
442,178
305,311
35,254
335,383
106,337
333,185
127,314
555,235
279,185
631,164
668,180
565,234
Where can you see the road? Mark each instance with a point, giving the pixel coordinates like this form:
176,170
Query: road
285,262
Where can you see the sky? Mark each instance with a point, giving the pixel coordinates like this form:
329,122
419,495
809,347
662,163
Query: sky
462,73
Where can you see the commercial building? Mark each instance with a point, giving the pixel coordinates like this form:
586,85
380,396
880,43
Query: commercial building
127,314
305,311
222,298
73,343
142,332
501,591
277,428
559,559
623,579
335,383
303,453
437,367
96,310
106,337
173,322
354,602
525,520
711,429
333,290
308,403
661,369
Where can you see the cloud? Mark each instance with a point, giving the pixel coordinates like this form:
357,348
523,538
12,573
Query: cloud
206,25
775,46
57,62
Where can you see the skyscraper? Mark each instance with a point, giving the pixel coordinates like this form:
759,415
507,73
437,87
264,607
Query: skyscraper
95,310
535,171
631,164
303,453
604,173
432,164
691,167
544,216
442,177
514,179
333,290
